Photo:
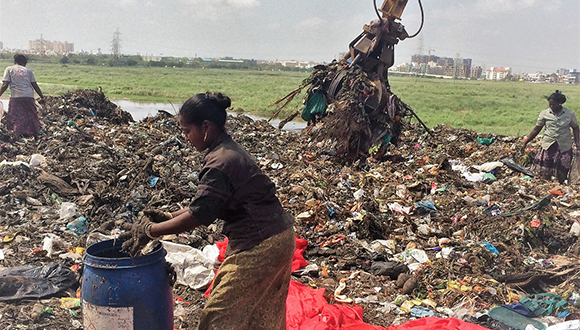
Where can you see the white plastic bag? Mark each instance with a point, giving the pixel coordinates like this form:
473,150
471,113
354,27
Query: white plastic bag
194,268
67,210
488,167
37,160
567,325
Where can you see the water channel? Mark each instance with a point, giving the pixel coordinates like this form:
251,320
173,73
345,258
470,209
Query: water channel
140,111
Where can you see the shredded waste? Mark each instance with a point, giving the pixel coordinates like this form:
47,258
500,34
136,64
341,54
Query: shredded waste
439,225
349,112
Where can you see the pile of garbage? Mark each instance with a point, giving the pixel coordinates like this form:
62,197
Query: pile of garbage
448,225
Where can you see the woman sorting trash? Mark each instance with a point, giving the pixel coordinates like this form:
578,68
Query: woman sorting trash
249,291
555,156
22,117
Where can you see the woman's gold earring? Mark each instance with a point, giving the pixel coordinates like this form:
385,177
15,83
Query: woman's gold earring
205,137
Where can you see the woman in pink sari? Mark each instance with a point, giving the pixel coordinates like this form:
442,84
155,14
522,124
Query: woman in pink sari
22,117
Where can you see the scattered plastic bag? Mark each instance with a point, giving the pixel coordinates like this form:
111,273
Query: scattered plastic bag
488,167
567,325
425,206
514,319
153,180
398,208
388,268
28,282
16,163
78,225
509,162
414,258
49,243
194,268
490,247
489,176
420,311
485,141
359,194
67,210
384,246
37,160
67,302
315,105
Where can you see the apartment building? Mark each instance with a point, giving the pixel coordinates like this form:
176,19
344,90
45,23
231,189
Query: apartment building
497,73
41,46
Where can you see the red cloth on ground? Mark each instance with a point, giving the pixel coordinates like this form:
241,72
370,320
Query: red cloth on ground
308,309
427,323
298,262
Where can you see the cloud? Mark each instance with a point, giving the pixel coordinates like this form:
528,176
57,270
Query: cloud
273,26
510,6
222,4
312,24
125,3
243,3
484,9
215,10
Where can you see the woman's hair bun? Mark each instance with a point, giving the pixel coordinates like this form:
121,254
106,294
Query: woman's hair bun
222,101
558,97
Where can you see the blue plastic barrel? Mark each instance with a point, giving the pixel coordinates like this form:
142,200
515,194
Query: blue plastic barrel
124,293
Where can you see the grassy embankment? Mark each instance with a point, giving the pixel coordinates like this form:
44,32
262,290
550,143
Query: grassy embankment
508,108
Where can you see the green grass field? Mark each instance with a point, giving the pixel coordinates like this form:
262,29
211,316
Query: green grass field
507,108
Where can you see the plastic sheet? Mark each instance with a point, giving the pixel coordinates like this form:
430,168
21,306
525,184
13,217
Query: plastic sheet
514,319
315,105
27,282
509,162
194,268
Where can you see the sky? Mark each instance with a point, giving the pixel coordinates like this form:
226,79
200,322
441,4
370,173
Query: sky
525,35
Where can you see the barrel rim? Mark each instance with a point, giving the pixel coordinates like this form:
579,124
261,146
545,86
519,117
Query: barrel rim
92,260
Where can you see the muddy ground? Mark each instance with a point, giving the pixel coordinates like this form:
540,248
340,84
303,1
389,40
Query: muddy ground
477,243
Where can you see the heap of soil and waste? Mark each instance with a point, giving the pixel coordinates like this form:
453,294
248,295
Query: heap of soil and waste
456,212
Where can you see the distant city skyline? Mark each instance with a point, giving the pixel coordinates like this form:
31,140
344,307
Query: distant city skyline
51,47
525,35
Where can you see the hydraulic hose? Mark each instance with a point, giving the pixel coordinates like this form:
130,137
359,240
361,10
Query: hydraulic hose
422,17
422,20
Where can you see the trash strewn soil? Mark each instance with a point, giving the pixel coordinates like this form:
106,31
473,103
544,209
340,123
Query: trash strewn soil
468,230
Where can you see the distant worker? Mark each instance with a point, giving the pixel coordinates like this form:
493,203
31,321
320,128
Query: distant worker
555,155
22,116
250,289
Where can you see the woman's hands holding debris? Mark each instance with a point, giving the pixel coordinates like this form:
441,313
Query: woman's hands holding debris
137,235
157,216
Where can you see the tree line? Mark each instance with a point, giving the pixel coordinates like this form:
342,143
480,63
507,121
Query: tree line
138,61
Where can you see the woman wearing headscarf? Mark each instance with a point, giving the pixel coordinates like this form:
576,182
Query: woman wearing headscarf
555,155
